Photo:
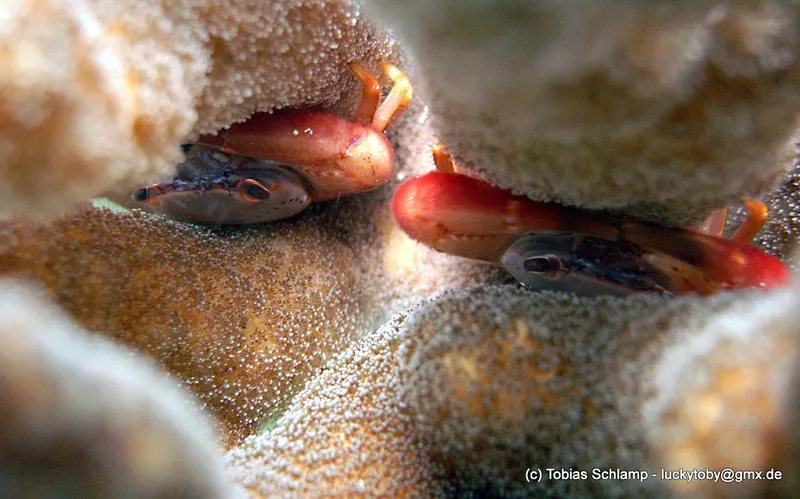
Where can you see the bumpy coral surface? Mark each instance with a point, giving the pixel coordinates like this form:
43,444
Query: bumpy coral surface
717,394
243,318
268,55
113,88
780,235
465,393
109,427
109,93
665,109
662,110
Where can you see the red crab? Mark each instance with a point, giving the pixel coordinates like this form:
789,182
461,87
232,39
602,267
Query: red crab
546,245
272,166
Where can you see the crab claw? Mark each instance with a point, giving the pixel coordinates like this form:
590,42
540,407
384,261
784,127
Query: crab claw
726,263
466,216
335,156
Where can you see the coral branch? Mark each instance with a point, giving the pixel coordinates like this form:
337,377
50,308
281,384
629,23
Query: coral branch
81,417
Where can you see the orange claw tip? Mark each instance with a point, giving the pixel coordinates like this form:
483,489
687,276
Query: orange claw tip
467,216
739,265
446,190
767,271
405,207
443,198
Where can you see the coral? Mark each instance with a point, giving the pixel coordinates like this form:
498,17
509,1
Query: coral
83,85
232,313
465,392
780,235
717,390
268,55
243,318
84,418
659,109
113,88
344,435
665,109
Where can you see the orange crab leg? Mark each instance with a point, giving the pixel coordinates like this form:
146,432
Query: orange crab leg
442,160
725,263
714,223
731,263
399,97
755,220
369,96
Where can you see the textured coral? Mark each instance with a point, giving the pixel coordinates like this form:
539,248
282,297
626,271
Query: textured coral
780,235
243,318
717,393
344,435
464,393
268,55
107,428
113,88
220,309
111,98
667,109
663,109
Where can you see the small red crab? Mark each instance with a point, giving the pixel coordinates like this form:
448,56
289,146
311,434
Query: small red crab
272,166
546,245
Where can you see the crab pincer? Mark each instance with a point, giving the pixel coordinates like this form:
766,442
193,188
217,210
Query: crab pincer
547,245
274,165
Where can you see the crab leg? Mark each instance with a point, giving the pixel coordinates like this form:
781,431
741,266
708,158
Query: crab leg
727,263
755,220
399,97
369,96
442,160
714,223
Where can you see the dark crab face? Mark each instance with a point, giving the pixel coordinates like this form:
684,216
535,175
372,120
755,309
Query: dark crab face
219,189
581,264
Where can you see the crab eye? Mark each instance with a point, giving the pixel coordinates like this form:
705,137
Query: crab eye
141,195
254,191
543,265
